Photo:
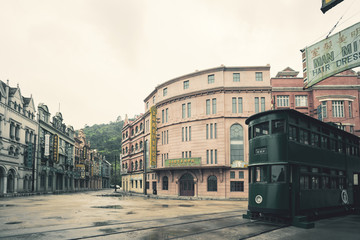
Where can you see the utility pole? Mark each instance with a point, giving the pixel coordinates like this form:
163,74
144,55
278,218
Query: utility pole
115,175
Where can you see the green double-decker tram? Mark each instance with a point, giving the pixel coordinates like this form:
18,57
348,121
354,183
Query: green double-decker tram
300,168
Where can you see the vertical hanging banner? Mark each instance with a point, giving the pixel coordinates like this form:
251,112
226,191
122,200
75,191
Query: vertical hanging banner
332,55
47,145
56,148
153,127
29,160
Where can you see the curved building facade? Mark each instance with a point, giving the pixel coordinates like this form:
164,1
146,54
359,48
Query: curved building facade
201,136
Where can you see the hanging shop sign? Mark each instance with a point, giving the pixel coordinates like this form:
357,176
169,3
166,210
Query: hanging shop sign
56,148
153,127
47,145
30,153
332,55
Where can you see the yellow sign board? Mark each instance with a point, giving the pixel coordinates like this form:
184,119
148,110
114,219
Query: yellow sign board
153,127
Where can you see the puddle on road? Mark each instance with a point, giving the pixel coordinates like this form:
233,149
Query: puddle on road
57,217
109,207
13,222
185,205
7,205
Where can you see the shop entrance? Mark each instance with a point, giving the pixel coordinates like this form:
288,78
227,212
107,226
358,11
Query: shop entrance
187,185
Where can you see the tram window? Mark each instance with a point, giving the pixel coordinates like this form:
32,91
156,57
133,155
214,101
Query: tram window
315,182
304,182
333,145
324,142
304,136
356,179
261,129
260,174
293,133
277,173
325,182
314,140
315,170
341,183
333,183
278,126
250,128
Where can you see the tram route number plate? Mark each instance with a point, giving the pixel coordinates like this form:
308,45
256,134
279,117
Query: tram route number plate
261,150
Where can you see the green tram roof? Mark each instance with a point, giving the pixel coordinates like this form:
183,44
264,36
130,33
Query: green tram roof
295,113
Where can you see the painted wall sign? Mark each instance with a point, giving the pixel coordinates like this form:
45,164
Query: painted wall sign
182,162
332,55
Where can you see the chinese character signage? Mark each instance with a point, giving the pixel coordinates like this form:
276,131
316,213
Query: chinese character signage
153,111
30,153
332,55
81,168
183,162
56,148
47,145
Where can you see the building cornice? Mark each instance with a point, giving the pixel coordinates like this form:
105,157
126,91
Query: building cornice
207,71
212,91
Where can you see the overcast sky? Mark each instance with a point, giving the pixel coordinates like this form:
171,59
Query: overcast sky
100,59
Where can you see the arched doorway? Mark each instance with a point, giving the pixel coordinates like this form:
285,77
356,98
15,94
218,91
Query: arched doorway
11,182
2,180
187,185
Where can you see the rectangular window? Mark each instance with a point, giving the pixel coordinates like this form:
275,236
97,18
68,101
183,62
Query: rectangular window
232,174
166,114
301,101
212,156
236,186
186,133
258,76
164,92
282,101
183,110
214,106
234,105
207,156
236,77
338,109
215,153
256,104
189,133
211,79
241,174
207,106
324,109
186,84
211,130
263,104
350,109
278,126
189,110
215,130
240,105
163,116
207,131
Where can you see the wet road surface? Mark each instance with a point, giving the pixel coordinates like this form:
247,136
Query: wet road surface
90,215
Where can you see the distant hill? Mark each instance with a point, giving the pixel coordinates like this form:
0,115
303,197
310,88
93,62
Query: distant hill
106,138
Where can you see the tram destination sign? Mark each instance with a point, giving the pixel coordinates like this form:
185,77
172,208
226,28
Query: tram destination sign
332,55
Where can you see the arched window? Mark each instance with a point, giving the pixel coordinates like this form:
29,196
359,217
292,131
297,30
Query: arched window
212,183
141,144
141,164
136,129
141,126
136,165
132,166
236,145
136,146
165,185
126,165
